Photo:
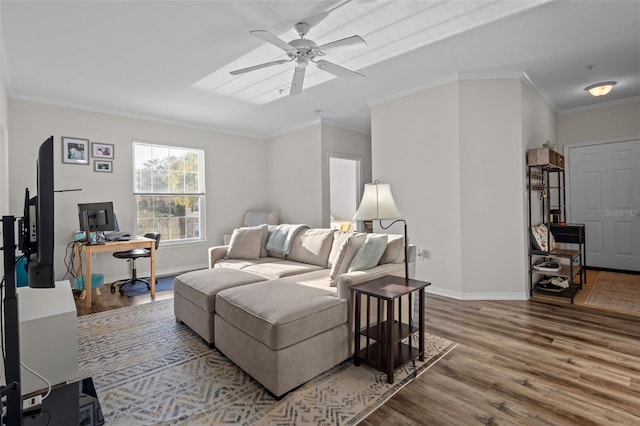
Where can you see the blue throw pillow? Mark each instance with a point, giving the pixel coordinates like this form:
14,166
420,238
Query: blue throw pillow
369,253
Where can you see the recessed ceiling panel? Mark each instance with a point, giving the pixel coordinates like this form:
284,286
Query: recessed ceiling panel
389,28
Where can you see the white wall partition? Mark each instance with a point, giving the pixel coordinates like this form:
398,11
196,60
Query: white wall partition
235,171
294,175
491,176
416,149
455,158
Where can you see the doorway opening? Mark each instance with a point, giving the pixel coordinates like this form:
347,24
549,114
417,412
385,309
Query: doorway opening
345,183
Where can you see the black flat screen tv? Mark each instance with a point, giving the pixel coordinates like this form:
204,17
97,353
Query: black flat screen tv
40,252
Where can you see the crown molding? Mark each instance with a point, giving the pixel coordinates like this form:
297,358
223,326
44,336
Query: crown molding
332,123
314,122
151,119
431,85
600,105
528,80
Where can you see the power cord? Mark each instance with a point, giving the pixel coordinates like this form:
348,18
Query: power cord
39,376
2,320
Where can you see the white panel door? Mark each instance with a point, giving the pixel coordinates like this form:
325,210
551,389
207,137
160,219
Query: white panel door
604,192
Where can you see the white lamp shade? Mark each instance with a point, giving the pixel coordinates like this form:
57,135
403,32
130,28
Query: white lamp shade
377,203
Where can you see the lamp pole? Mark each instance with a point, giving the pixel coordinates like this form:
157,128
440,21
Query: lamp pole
406,244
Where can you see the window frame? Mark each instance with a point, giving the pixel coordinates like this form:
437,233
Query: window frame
202,186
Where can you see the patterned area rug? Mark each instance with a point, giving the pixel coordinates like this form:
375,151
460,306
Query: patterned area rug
617,291
150,370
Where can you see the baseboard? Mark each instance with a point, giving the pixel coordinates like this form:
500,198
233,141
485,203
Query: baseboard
621,271
476,296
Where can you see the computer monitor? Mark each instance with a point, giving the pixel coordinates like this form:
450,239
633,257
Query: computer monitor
96,217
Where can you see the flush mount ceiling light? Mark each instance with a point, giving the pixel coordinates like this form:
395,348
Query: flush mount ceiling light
600,89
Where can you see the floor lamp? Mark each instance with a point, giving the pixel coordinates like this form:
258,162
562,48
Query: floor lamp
378,204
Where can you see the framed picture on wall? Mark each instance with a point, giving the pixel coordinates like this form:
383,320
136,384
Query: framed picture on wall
75,150
102,166
101,150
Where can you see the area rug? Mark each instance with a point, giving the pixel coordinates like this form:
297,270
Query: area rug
620,292
163,284
150,370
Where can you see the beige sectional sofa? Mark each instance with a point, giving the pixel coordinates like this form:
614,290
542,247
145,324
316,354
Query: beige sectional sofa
284,318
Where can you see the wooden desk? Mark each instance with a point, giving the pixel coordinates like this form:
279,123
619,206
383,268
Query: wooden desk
113,246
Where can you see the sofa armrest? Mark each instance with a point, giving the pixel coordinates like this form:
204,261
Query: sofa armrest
345,281
216,253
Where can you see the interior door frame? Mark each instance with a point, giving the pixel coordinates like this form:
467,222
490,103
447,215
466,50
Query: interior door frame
567,151
359,185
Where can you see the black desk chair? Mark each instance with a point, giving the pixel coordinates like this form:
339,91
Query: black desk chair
131,256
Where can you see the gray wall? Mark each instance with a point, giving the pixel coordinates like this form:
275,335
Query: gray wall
605,122
235,170
457,174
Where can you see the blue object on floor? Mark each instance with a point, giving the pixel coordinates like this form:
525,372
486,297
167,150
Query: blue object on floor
22,279
164,284
96,281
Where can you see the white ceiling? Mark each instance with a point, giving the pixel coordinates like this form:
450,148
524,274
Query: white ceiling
142,58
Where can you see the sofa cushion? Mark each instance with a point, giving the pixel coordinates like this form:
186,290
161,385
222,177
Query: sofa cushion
345,255
200,287
281,313
394,253
243,263
246,242
339,239
283,268
369,253
312,246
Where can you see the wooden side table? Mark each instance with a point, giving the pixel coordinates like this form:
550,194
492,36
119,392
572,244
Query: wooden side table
388,352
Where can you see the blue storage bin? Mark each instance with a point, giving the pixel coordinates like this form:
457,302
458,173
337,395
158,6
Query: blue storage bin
22,279
96,281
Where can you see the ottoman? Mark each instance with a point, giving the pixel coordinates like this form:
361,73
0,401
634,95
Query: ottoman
280,332
195,296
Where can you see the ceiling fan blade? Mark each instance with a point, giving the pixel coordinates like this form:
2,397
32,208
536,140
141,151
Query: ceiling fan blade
270,38
297,81
257,67
354,42
339,71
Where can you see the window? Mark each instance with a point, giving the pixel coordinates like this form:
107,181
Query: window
169,191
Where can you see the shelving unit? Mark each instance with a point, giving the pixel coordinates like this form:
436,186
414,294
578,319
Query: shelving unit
546,182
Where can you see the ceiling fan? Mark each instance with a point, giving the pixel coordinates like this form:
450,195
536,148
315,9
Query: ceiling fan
304,50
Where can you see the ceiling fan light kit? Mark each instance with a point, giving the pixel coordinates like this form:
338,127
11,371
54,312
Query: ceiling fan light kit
601,89
303,50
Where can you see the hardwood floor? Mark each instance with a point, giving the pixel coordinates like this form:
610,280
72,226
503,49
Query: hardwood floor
531,362
541,362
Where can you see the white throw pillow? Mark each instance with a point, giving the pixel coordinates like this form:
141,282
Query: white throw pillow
369,253
246,243
345,255
394,253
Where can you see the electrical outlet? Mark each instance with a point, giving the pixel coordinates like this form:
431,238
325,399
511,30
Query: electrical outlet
31,404
422,254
